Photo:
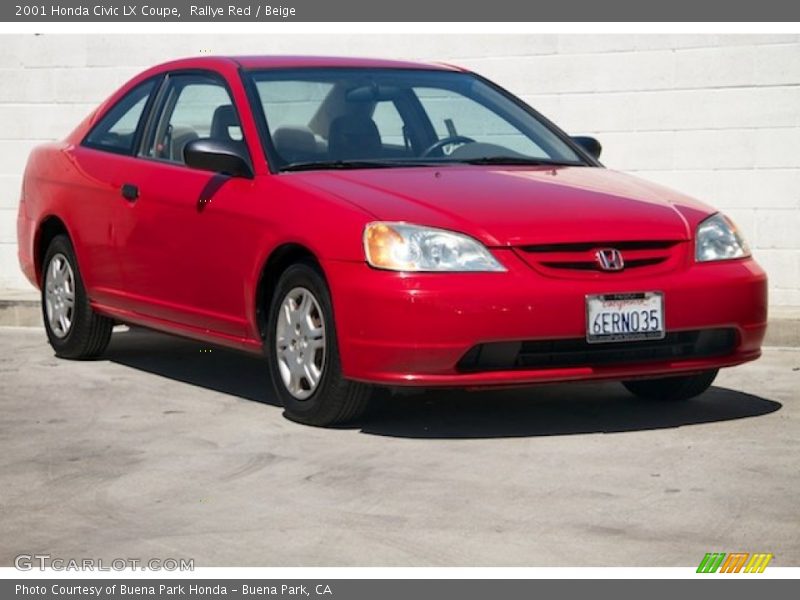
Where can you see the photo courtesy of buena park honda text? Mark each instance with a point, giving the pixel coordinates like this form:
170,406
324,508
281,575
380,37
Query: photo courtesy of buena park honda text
354,300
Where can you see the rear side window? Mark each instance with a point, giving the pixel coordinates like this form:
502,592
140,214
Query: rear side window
117,130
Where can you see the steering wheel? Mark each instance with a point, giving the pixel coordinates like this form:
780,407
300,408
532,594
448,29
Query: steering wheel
453,139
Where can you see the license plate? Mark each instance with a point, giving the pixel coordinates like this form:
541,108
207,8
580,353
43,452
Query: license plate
624,317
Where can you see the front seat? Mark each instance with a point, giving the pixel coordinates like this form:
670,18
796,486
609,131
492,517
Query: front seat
178,138
295,143
353,137
222,122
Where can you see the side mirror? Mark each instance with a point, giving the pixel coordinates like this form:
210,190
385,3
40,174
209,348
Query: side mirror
219,156
589,144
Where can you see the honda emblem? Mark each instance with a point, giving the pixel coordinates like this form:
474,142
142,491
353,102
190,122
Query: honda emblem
609,259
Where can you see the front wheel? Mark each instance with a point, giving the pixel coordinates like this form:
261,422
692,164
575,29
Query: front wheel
682,387
303,352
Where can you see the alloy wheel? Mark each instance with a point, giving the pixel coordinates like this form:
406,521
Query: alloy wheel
60,295
300,343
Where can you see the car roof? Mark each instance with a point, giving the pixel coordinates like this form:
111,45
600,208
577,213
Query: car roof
284,62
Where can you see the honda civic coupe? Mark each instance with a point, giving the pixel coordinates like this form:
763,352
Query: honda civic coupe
366,223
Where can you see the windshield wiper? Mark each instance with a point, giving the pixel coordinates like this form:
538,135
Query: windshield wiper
518,160
394,164
352,164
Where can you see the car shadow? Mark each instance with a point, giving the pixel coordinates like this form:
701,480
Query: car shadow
211,367
212,186
543,410
547,410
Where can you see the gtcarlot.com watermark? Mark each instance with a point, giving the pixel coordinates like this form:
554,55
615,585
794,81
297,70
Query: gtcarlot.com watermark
29,562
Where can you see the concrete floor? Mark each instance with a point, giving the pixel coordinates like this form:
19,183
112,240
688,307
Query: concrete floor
164,451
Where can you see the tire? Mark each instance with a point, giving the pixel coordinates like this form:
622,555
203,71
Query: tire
81,333
303,353
672,389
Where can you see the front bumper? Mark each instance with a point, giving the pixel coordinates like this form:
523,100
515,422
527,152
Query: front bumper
413,329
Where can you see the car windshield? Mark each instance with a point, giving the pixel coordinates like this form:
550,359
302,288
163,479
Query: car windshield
335,118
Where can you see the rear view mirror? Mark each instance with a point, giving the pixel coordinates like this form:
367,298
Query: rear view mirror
589,144
372,93
219,156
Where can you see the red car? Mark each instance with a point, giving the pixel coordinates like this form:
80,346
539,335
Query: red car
371,222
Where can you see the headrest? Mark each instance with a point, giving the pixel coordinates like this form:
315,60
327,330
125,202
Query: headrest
353,137
291,141
224,118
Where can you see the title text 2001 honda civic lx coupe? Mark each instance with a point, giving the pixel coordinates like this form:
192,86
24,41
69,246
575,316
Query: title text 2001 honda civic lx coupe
371,222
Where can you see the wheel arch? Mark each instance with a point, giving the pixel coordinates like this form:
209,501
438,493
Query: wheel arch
48,229
275,264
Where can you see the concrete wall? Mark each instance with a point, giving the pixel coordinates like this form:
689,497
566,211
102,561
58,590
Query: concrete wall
716,116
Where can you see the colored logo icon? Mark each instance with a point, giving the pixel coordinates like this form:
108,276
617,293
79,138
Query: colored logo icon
736,562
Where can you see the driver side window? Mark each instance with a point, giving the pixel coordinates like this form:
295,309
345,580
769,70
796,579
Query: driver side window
195,107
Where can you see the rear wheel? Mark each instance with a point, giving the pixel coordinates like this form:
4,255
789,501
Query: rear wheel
303,352
678,388
73,328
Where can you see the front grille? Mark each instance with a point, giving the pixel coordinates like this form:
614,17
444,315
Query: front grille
593,266
576,352
560,259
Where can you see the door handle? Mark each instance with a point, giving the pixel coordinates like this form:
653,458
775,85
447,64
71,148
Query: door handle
130,192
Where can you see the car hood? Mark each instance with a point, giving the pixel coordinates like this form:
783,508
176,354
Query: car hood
511,206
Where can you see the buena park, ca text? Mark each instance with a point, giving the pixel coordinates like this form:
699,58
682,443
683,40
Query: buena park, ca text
173,590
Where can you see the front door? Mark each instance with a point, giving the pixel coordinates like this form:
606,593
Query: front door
187,236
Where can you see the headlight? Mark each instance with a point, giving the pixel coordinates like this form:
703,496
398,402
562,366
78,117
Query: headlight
718,239
404,247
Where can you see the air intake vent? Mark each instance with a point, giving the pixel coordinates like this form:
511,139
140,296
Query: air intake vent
577,352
